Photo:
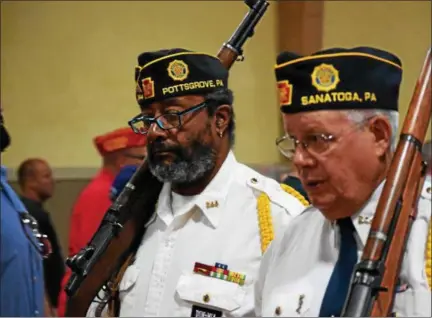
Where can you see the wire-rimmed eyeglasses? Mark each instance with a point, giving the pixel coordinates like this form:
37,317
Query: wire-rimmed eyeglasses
315,144
141,124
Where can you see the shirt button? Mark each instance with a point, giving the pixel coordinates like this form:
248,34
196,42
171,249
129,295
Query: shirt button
206,298
34,278
278,311
36,312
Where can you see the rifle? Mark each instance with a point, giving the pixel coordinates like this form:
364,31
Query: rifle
375,278
124,224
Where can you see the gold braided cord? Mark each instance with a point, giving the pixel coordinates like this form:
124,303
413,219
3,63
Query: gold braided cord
429,256
265,219
295,194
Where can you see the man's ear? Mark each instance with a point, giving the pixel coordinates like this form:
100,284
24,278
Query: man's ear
222,117
381,129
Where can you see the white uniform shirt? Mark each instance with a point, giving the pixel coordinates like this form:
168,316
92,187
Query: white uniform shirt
297,266
219,225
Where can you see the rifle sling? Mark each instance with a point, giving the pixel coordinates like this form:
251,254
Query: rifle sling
114,300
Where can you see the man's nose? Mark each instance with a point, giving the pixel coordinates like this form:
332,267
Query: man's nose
302,158
155,132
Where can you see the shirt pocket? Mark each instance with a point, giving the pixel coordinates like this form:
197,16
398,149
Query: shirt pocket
127,284
289,303
413,303
210,292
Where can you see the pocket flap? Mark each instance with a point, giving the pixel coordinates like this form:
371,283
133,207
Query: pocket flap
210,291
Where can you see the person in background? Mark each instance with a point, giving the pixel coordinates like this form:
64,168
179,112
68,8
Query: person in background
427,156
21,267
37,186
121,180
292,179
117,148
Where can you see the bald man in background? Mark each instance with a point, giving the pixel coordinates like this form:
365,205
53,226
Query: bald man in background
118,148
37,186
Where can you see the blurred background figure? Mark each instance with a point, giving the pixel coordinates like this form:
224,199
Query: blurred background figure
118,148
284,173
36,183
21,269
291,178
427,156
121,180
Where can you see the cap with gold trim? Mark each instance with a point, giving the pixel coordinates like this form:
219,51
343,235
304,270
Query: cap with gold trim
338,78
176,72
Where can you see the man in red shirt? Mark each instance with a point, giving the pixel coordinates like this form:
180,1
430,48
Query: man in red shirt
117,149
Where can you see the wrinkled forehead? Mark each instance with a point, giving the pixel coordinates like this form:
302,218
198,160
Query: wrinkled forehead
302,123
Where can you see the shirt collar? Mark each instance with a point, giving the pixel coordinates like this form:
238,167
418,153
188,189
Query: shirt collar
362,220
37,203
211,201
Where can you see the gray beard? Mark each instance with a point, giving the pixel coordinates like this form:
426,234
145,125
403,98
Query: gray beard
189,170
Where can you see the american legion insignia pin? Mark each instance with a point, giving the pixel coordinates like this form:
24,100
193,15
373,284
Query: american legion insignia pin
325,77
220,271
178,70
364,219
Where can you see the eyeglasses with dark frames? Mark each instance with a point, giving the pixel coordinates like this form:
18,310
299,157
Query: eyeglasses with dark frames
141,124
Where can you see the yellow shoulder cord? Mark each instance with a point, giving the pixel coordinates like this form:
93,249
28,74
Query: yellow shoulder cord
295,194
265,220
429,255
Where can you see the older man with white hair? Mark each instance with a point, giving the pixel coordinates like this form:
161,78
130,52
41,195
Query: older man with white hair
340,114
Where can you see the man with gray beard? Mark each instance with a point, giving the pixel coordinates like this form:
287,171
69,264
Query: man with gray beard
215,217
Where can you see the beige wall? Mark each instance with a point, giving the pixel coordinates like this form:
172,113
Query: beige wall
66,67
67,71
401,27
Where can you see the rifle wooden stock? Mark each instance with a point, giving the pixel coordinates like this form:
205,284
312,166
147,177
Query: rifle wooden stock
113,248
124,224
375,278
